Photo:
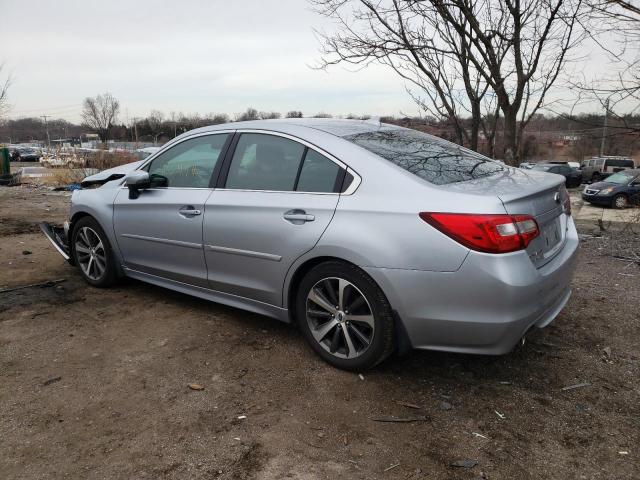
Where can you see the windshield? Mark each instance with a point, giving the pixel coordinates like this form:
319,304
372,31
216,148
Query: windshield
430,158
620,178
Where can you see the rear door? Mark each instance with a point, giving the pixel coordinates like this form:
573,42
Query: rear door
277,197
160,232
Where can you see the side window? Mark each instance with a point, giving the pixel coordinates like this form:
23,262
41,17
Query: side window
264,162
554,170
318,173
599,163
189,164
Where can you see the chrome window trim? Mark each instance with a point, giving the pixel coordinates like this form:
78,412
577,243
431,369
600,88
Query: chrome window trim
355,183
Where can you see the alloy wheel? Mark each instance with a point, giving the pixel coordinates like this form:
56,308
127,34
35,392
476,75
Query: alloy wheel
621,201
90,253
340,317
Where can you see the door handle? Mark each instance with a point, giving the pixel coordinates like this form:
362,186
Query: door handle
189,211
298,217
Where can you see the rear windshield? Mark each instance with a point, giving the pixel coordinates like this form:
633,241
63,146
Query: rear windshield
620,163
432,159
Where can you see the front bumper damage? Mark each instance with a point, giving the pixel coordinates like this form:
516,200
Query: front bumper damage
59,238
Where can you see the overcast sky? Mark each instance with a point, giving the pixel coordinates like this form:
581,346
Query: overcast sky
184,56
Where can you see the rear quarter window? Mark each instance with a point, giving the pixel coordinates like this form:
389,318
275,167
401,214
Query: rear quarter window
620,163
432,159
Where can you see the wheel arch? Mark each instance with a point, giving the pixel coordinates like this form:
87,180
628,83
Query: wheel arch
80,214
291,288
403,343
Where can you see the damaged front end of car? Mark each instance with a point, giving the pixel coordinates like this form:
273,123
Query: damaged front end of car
59,238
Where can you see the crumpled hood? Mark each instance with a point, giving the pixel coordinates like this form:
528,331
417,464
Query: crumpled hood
110,174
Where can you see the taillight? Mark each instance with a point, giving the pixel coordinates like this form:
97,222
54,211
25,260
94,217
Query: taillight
566,200
486,233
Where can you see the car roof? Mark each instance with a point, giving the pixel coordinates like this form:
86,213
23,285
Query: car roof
632,171
334,126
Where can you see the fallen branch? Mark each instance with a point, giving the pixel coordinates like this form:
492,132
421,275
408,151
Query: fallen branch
48,283
399,420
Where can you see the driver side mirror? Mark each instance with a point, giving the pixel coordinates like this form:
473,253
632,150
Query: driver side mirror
136,181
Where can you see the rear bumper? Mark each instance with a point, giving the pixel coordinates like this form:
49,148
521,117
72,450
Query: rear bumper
486,306
58,236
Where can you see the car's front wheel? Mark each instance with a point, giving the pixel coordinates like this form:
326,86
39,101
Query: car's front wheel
620,201
92,253
345,316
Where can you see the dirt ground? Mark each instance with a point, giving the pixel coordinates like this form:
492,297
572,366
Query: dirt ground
94,384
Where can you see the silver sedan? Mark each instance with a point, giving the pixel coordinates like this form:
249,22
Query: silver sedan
370,237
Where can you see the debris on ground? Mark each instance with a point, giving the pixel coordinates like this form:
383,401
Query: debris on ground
577,385
410,405
391,467
500,415
52,380
195,386
46,284
399,420
464,463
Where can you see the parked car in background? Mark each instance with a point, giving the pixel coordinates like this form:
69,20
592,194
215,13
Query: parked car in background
618,191
25,154
371,237
561,162
572,176
526,165
599,168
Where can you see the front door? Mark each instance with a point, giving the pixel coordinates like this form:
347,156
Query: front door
278,198
160,231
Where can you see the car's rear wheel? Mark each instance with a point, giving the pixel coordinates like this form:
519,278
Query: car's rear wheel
92,253
345,316
620,201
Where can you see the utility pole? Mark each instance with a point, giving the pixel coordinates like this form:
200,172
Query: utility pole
135,129
46,127
604,128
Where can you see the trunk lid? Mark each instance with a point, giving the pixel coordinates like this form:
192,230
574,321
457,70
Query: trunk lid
528,192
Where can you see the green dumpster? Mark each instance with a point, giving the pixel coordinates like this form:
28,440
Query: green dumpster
5,166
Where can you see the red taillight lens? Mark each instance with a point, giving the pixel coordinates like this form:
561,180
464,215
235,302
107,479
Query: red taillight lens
486,233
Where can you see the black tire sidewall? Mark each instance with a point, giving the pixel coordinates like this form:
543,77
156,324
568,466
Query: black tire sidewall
109,275
383,339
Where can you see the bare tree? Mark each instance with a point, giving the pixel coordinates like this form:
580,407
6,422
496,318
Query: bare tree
4,92
268,115
99,113
618,92
462,55
294,114
249,114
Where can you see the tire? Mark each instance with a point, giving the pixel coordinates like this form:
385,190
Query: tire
91,250
620,201
353,341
